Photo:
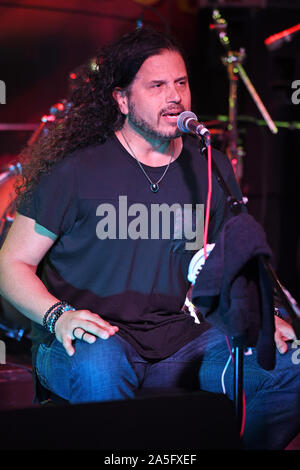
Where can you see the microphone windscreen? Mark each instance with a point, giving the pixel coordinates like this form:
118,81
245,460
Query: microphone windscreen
182,119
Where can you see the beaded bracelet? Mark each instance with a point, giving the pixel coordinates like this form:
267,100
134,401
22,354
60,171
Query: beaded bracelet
52,315
48,313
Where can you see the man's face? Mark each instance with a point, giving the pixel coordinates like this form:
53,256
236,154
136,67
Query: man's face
158,94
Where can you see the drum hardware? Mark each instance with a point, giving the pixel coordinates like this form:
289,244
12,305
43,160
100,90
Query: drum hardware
10,171
6,221
220,136
277,40
233,61
221,118
16,334
12,323
18,127
6,173
57,111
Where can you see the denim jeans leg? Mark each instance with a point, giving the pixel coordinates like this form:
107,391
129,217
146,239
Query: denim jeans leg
179,372
272,397
101,371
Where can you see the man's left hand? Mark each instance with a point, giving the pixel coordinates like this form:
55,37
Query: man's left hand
283,332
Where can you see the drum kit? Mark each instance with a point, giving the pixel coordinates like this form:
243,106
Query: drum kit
12,323
224,132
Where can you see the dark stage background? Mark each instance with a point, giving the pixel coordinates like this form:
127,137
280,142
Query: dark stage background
43,41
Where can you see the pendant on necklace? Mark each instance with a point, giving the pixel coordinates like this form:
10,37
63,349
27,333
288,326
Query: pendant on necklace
154,187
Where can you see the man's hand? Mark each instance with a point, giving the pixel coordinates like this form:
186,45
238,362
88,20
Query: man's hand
283,332
73,324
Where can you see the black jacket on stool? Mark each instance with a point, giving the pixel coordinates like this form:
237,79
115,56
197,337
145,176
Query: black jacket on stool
234,292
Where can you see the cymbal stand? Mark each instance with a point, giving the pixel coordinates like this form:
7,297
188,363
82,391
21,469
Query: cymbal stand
233,61
234,152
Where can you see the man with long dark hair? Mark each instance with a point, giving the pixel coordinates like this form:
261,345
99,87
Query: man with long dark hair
98,254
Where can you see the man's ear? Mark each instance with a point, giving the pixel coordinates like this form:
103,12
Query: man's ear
120,96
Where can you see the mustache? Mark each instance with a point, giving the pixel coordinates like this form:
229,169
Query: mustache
172,110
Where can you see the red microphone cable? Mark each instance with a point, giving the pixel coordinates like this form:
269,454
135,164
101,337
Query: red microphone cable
206,225
208,199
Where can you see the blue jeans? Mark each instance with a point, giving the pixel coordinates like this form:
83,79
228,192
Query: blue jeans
112,370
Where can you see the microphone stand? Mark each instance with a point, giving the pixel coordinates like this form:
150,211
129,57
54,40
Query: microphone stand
233,61
238,342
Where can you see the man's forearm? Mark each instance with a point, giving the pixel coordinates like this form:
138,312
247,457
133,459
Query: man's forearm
20,285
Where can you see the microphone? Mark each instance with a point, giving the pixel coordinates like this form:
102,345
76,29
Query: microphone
187,122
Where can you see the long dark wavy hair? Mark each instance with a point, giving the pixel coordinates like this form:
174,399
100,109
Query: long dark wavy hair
92,114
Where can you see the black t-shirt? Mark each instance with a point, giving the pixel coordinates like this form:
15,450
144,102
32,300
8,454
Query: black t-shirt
112,256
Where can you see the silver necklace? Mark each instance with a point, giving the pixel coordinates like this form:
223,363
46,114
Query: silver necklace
153,186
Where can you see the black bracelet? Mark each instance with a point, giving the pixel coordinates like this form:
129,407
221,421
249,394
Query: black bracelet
48,313
52,315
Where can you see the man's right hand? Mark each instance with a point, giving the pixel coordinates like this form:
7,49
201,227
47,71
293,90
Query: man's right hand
74,324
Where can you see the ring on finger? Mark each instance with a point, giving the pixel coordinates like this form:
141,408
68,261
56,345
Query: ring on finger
84,333
73,332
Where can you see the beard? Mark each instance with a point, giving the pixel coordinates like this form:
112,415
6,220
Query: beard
146,129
